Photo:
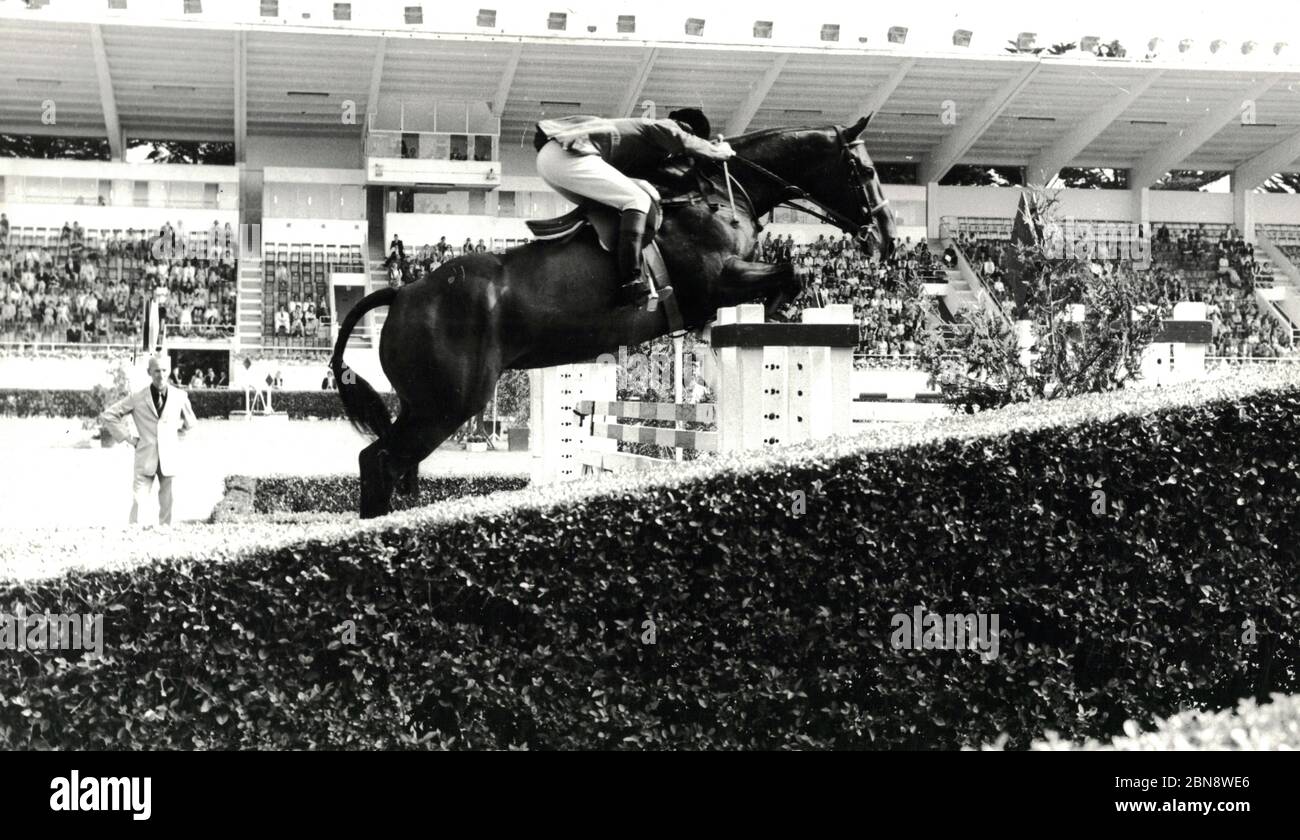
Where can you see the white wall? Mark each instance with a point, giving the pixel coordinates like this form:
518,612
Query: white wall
1109,205
416,229
1190,207
314,231
263,150
1276,208
313,175
993,202
517,160
111,170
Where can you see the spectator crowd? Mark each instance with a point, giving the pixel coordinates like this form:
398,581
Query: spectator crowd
72,290
886,296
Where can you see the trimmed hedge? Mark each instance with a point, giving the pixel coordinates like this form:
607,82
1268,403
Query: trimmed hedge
207,403
340,493
520,621
237,501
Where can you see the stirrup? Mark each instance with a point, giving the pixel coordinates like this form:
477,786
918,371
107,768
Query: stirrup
652,302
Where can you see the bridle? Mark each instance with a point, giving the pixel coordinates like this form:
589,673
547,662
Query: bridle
791,193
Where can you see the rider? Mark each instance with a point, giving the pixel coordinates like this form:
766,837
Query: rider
583,157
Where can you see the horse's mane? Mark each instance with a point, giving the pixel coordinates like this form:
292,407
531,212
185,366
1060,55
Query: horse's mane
682,175
766,132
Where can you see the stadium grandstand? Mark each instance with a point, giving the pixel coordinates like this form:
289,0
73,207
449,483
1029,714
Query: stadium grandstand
254,168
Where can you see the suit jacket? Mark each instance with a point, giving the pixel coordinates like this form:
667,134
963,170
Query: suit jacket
158,449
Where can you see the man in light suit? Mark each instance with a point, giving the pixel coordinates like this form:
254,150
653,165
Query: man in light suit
160,412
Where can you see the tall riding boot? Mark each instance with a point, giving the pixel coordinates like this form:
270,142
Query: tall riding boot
631,244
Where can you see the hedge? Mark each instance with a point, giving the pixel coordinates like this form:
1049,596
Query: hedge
207,403
247,497
519,619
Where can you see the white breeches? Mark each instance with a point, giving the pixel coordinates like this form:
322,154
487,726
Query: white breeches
579,177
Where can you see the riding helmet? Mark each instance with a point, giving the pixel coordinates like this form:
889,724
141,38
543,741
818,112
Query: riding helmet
694,120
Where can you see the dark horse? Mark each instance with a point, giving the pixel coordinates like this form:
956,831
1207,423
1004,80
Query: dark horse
449,336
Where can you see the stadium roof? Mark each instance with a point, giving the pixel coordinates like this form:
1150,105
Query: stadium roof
218,76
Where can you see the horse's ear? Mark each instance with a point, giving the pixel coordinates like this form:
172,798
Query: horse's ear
853,131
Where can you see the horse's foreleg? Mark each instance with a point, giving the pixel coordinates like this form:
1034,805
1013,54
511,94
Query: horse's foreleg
376,484
742,281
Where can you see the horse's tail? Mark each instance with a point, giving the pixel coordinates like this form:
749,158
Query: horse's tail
362,403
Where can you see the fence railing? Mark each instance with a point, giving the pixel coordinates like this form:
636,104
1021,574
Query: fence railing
1239,361
210,332
65,349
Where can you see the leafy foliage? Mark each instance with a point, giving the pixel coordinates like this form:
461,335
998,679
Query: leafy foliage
1250,726
979,362
47,147
1283,182
978,175
1093,178
505,625
340,494
1188,180
212,153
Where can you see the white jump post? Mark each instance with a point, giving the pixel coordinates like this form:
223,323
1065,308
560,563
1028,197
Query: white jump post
1177,354
778,384
781,384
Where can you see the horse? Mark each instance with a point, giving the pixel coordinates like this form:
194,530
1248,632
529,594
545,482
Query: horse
449,336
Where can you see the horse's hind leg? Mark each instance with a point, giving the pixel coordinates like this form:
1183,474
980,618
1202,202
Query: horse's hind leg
408,484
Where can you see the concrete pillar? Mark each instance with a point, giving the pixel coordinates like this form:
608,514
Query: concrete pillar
1243,208
932,210
1142,208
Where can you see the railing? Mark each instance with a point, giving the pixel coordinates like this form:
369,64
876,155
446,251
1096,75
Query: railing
290,352
885,362
1239,361
209,332
64,349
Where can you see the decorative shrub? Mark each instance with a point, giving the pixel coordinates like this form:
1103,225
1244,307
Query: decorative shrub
341,494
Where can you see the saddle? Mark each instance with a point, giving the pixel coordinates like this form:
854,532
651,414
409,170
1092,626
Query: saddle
604,221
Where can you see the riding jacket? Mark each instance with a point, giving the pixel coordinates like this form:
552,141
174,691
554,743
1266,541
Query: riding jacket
626,144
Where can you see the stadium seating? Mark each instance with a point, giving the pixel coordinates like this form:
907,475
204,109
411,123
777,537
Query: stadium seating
296,281
73,286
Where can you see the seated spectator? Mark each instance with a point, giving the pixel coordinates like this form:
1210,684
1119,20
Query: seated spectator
282,321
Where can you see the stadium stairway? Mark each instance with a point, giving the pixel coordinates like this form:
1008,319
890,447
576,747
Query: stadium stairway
249,301
1282,278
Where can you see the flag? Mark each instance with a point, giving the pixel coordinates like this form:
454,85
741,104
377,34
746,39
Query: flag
1026,231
